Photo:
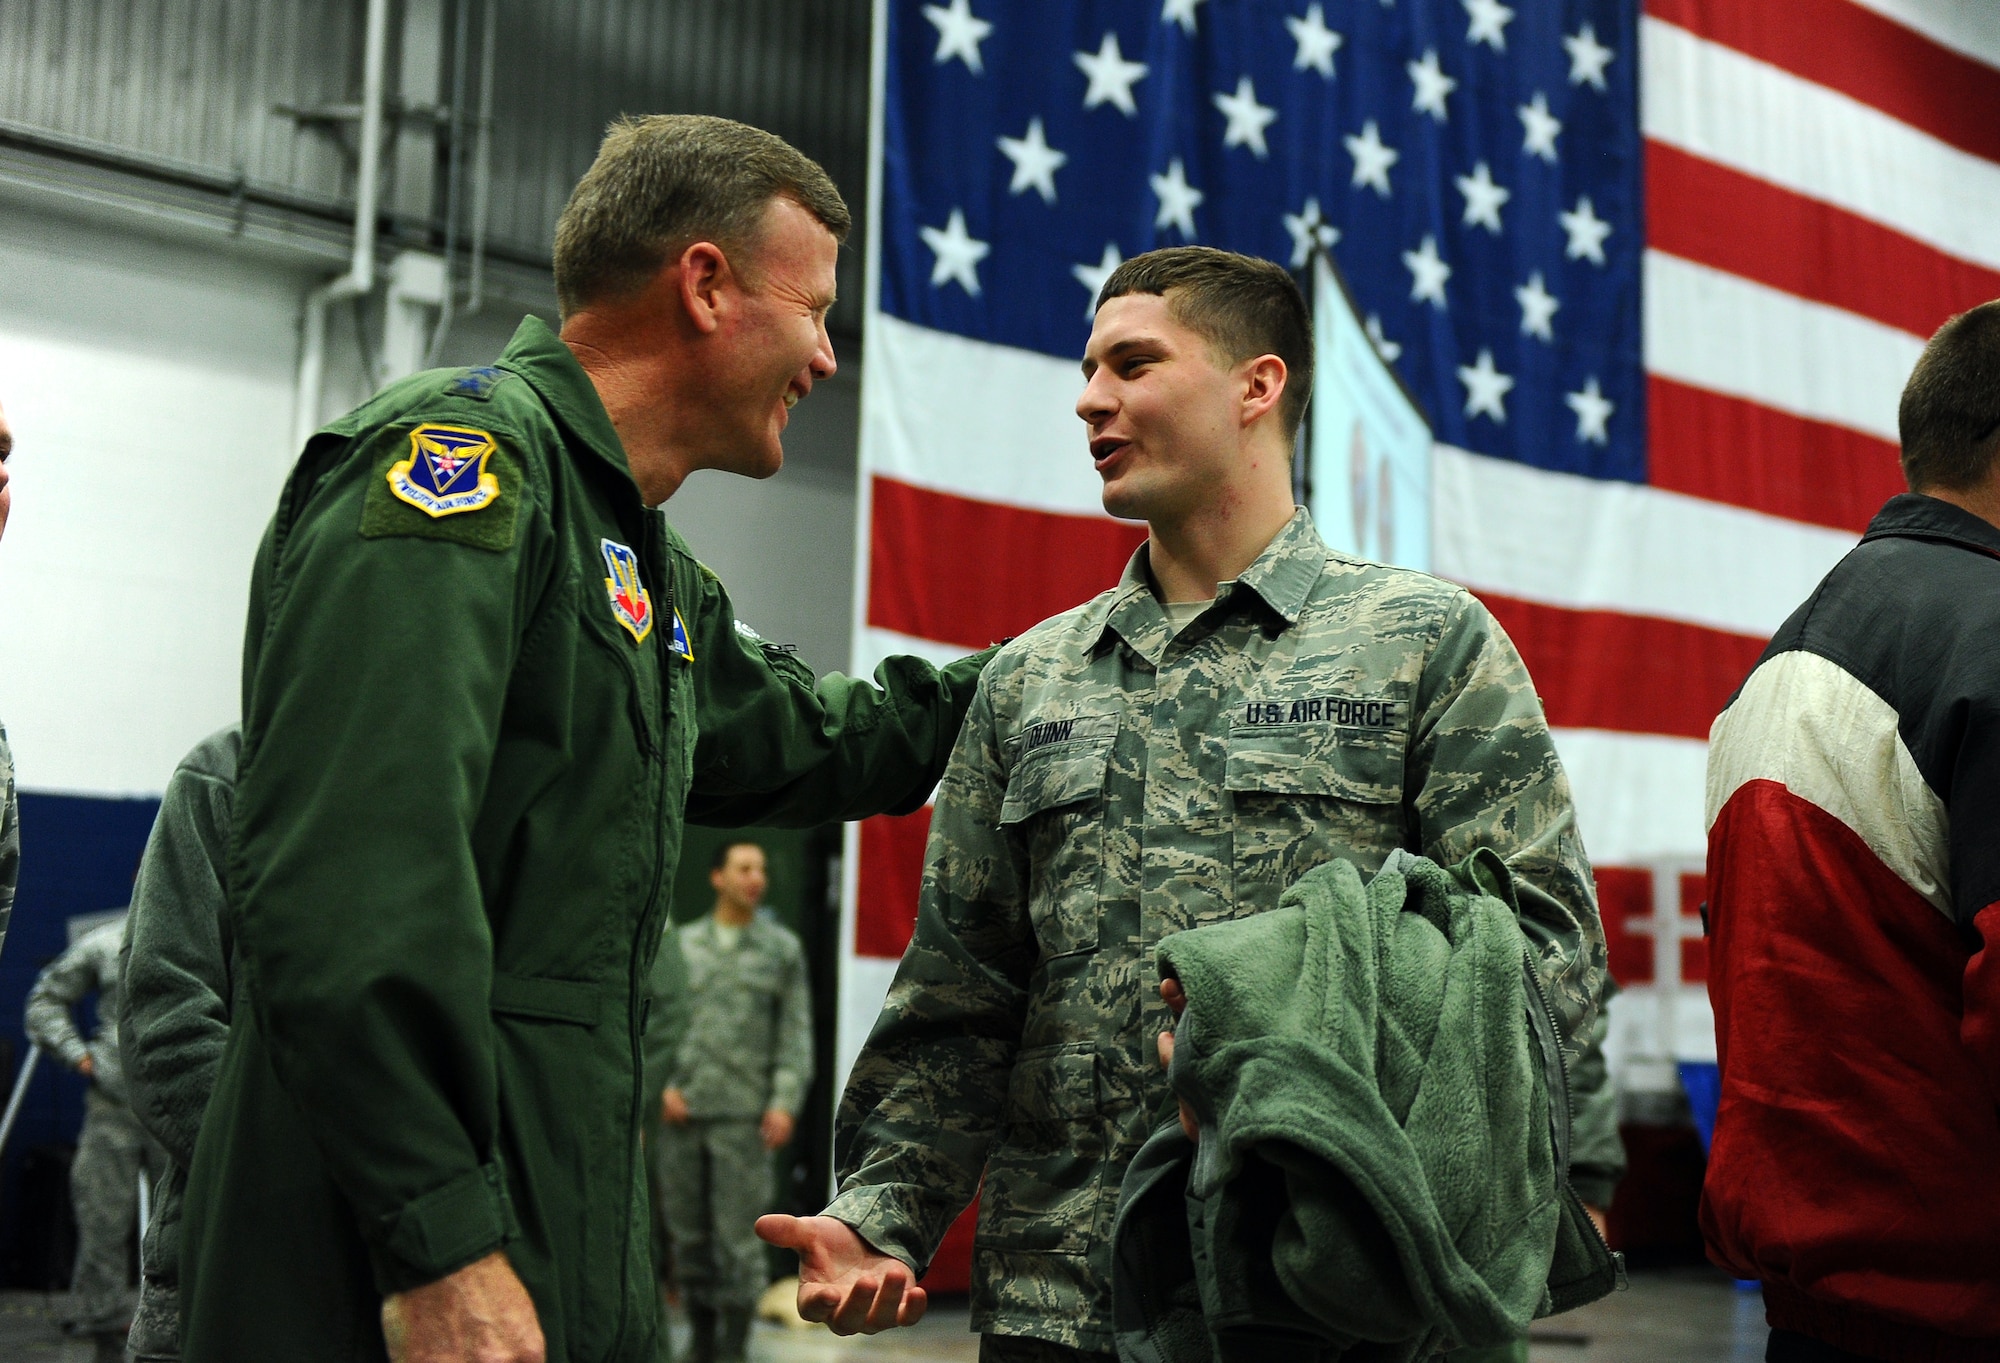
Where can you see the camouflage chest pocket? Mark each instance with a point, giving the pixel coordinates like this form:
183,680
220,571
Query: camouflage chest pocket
1304,794
1055,807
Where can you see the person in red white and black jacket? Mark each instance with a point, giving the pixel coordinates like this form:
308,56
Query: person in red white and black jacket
1854,915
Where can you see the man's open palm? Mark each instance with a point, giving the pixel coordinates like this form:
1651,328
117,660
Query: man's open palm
842,1281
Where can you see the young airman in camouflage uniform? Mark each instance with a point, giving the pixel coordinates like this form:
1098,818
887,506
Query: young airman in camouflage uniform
732,1096
112,1149
1150,762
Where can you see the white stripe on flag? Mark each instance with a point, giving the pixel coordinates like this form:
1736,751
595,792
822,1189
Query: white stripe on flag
1588,544
1970,29
872,645
1723,332
1719,104
975,419
1638,796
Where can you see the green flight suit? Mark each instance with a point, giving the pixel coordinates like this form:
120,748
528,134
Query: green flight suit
483,687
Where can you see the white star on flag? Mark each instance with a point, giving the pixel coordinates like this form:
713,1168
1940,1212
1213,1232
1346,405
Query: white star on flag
1111,76
1541,127
1309,229
1432,85
1538,307
959,33
1587,58
1247,118
1371,158
1489,23
1483,198
1485,388
1092,277
1428,272
1317,43
1384,347
1593,410
958,254
1180,12
1035,161
1586,231
1178,199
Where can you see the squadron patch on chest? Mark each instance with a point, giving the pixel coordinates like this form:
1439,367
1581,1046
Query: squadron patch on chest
446,472
1340,712
631,603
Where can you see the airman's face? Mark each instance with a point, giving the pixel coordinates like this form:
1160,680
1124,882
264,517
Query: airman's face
742,879
1162,408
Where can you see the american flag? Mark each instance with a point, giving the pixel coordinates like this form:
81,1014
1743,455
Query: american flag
1656,276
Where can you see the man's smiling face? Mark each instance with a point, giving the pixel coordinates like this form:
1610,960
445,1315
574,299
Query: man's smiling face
1163,411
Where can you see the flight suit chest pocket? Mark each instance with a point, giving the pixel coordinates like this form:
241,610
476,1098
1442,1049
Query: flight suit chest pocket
1054,807
1302,795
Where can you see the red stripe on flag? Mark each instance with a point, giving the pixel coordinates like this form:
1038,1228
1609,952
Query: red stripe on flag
1628,673
1876,60
1720,217
1725,449
1624,896
887,882
966,572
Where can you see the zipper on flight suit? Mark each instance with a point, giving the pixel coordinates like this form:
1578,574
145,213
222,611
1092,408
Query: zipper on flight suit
650,923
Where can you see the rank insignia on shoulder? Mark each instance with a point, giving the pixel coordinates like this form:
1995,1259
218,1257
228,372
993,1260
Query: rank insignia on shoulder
446,474
631,603
475,383
678,644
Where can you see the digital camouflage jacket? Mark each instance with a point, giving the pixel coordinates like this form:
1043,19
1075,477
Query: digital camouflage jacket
747,1047
1115,784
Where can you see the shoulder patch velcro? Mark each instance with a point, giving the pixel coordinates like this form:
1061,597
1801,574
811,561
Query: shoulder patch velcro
475,383
449,473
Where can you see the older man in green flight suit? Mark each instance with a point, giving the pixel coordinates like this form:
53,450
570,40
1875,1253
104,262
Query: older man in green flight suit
483,687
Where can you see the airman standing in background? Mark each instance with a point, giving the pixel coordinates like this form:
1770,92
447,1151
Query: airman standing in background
732,1097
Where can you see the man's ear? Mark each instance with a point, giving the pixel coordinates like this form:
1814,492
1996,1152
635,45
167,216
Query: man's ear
705,276
1263,387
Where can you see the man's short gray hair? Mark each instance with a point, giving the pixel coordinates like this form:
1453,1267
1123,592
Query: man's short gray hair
665,181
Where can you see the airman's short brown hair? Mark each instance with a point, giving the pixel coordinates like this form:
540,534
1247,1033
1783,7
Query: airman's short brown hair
1242,306
665,181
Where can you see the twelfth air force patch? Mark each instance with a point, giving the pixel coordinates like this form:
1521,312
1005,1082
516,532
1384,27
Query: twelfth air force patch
445,474
431,488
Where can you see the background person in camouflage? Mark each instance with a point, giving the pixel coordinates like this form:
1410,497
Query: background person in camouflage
1244,706
112,1149
733,1092
10,812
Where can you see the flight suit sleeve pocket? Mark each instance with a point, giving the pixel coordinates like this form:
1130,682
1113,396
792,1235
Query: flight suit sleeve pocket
546,1000
1302,761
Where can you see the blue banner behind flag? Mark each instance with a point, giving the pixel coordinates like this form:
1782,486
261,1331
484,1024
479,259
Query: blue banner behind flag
1474,167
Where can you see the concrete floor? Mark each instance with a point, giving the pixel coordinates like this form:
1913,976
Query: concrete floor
1679,1317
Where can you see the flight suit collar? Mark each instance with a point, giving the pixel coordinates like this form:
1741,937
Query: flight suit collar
538,355
1278,584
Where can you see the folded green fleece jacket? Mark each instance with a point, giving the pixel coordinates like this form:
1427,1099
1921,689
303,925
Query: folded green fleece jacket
1379,1176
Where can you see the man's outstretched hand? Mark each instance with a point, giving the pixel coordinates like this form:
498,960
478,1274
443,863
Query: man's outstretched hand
843,1282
